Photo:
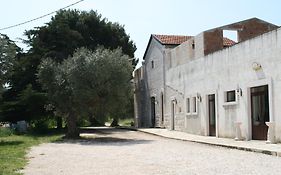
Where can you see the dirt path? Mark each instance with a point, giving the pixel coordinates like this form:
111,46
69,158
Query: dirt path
125,152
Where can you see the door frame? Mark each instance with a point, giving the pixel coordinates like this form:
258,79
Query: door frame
258,94
173,114
250,85
207,131
162,108
153,111
208,113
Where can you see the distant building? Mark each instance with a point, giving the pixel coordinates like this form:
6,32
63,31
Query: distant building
210,85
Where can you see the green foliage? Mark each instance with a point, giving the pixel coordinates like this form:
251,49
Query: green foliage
83,122
4,132
28,105
8,51
72,29
42,125
89,82
13,150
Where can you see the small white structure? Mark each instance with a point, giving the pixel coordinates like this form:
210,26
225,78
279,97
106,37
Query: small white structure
207,83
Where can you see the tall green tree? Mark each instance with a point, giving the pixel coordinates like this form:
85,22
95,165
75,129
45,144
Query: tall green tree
84,81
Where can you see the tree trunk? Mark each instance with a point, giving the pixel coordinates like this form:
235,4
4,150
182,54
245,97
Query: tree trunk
59,122
72,129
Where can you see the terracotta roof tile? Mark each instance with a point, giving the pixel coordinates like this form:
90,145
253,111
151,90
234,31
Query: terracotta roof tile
171,39
228,42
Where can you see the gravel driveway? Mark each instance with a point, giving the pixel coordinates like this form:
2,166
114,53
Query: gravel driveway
125,152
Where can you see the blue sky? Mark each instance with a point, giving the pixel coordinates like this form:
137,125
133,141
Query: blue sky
144,17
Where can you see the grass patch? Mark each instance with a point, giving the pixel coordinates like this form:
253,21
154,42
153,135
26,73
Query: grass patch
13,149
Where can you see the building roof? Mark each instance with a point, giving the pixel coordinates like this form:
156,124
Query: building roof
171,39
228,42
179,39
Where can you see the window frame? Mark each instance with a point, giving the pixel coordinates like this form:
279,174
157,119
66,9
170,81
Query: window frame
194,106
227,102
188,106
230,94
191,105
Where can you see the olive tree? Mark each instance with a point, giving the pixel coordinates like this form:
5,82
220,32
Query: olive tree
85,81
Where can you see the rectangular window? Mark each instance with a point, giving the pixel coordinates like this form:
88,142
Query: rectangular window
152,64
188,105
194,105
230,96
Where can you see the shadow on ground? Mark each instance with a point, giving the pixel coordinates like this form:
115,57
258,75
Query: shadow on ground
106,136
10,143
102,130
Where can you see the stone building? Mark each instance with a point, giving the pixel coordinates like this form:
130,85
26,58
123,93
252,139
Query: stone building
210,85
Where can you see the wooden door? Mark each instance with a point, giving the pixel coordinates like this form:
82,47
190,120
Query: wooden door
259,112
212,114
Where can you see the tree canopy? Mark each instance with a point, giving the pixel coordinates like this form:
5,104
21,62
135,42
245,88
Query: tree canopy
72,29
87,79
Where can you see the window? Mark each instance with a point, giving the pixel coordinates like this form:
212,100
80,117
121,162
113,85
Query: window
230,96
194,105
188,106
191,106
152,64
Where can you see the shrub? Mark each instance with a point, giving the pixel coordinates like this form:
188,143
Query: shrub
4,132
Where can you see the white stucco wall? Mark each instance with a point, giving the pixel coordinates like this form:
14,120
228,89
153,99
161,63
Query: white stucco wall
224,70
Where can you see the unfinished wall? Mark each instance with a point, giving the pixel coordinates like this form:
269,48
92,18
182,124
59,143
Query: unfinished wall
253,28
213,41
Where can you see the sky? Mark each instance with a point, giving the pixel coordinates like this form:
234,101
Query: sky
142,18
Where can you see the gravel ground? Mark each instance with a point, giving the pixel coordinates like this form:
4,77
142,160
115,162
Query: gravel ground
113,151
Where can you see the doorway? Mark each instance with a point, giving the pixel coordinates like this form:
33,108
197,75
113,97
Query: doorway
173,115
162,108
153,112
259,112
212,114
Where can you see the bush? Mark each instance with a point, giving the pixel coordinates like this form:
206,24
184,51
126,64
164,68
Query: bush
42,126
4,132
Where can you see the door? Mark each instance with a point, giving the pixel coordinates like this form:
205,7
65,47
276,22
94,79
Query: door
173,116
152,111
212,114
259,112
162,108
